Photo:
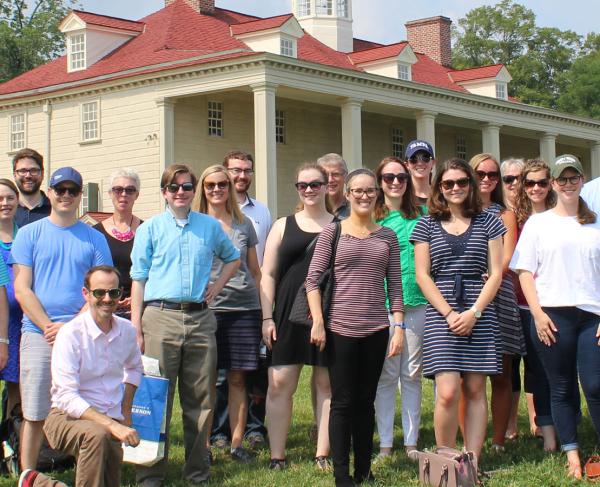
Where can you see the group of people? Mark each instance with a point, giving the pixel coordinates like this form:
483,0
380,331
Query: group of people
454,276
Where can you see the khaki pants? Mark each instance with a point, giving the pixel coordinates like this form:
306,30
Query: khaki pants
184,344
99,455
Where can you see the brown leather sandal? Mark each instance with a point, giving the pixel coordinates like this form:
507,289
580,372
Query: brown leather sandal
592,469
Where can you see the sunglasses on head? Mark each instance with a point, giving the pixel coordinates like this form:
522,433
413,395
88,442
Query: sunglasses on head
530,183
72,190
313,185
128,190
220,185
449,184
422,158
492,175
389,178
509,179
113,293
174,187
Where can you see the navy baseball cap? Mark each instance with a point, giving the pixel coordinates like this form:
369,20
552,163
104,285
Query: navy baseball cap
418,145
66,174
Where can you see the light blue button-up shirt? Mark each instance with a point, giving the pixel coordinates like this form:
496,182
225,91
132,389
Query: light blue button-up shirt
175,261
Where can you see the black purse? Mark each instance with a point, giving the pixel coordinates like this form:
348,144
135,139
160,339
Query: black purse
300,312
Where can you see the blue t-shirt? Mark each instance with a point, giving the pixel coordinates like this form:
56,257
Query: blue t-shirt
59,258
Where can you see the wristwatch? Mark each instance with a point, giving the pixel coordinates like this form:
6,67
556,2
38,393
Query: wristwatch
400,324
4,340
476,312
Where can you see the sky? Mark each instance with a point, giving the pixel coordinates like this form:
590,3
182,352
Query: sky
383,20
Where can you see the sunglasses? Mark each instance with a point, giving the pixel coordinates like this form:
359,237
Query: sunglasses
212,186
561,180
530,183
174,187
509,179
389,178
449,184
60,191
422,158
128,190
113,293
313,185
492,175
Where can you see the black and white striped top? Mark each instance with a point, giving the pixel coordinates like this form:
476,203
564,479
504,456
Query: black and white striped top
360,269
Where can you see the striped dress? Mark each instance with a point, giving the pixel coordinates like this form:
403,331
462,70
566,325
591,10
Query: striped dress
358,306
458,264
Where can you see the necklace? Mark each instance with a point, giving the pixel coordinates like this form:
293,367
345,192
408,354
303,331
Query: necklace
123,236
8,245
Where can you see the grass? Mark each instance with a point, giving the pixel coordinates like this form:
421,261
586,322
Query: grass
523,464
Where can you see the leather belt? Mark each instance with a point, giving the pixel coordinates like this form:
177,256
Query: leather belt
191,306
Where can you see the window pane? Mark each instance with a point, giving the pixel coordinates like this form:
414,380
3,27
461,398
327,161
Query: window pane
303,8
324,7
215,118
461,147
77,52
342,8
280,126
397,142
17,132
89,120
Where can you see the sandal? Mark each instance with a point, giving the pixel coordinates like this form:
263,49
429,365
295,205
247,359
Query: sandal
277,464
592,469
323,463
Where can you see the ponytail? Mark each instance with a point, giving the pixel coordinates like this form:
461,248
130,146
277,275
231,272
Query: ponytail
585,216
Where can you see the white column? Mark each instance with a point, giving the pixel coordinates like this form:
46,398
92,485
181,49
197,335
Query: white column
47,109
548,147
595,159
426,127
265,149
166,109
491,139
352,133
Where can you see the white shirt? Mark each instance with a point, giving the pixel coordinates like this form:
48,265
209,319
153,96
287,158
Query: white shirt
564,258
260,216
591,194
89,366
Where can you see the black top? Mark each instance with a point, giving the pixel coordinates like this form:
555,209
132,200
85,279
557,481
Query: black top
121,256
25,216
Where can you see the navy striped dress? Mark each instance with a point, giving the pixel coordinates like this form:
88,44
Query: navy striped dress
458,263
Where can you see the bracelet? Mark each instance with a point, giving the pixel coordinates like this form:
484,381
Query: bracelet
4,340
448,313
266,319
401,325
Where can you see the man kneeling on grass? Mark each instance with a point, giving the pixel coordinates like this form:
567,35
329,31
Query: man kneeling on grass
93,356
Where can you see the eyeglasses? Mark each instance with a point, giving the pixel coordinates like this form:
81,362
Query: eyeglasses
174,187
128,190
34,171
422,158
313,185
360,192
542,183
220,185
237,171
449,184
113,293
60,191
492,175
561,180
389,178
509,179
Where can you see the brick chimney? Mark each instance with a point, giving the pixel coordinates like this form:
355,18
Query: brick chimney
201,6
432,36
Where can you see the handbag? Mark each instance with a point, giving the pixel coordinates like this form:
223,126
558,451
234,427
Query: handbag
447,467
592,469
300,312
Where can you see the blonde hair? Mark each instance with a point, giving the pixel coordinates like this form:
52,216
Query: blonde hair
200,202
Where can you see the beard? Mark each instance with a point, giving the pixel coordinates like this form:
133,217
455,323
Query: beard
34,189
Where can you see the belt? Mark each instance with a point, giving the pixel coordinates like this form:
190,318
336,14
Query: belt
459,292
191,306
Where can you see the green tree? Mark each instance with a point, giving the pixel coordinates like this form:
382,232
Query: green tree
582,91
29,34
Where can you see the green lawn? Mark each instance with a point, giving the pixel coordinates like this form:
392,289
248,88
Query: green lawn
523,464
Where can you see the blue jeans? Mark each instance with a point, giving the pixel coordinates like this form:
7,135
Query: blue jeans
576,350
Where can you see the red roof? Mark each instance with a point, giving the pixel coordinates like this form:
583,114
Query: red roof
112,22
471,74
261,24
361,45
428,72
377,53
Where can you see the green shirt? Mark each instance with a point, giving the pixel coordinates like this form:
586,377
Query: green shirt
403,229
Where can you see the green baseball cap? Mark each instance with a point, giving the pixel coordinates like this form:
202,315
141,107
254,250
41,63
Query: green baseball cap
566,161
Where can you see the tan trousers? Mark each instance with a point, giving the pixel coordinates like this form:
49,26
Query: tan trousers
184,344
99,455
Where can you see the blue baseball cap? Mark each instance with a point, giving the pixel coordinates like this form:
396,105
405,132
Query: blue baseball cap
418,145
66,174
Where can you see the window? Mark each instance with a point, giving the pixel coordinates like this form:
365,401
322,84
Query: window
287,47
461,147
303,8
404,72
342,8
17,132
501,91
77,52
324,7
90,117
280,126
215,118
398,142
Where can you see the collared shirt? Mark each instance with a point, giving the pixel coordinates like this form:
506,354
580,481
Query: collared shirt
175,261
343,211
89,366
260,216
25,215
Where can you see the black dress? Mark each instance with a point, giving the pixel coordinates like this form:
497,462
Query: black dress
293,341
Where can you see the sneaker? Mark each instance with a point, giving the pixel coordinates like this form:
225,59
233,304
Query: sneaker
28,477
221,443
255,440
241,455
277,464
323,463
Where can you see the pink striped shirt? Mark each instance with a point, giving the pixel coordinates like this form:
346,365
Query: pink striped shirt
361,267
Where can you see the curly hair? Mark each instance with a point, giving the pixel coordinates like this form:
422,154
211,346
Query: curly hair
523,206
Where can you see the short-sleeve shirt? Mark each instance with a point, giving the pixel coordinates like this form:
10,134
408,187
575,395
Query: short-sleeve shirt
59,258
241,292
260,216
